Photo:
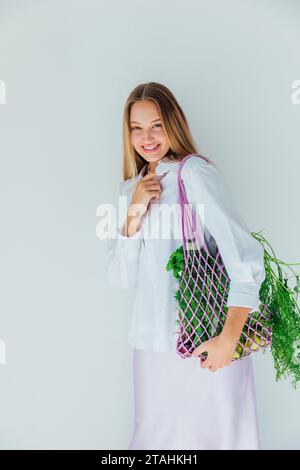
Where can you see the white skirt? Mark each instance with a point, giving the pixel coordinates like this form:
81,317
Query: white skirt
180,406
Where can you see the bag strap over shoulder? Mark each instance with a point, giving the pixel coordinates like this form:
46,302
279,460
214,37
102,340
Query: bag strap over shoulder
191,225
186,158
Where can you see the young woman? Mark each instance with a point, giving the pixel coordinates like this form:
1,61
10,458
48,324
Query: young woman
177,404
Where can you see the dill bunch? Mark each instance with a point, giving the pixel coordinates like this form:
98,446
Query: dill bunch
282,300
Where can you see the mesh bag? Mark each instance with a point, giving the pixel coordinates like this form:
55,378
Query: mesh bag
203,290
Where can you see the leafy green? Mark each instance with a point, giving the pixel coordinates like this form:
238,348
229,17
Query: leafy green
203,318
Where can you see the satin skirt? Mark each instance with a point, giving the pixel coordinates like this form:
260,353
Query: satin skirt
180,406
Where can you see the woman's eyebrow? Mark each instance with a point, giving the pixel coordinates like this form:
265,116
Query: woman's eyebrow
136,122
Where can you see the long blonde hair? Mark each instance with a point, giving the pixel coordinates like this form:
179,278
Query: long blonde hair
174,124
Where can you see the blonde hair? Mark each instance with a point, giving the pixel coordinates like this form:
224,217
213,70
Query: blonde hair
173,121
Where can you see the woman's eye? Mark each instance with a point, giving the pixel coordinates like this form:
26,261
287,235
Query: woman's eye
133,128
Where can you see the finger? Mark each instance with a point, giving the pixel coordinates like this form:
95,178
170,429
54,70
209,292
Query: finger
200,349
152,181
154,176
154,194
152,185
160,177
205,364
148,176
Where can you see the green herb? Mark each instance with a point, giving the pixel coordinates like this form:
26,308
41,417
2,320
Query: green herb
275,293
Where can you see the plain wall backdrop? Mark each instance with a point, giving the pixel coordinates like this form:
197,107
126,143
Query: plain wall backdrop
68,67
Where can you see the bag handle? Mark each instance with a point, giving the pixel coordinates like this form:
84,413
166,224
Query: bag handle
191,225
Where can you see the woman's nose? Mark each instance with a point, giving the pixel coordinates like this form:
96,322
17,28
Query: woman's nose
148,137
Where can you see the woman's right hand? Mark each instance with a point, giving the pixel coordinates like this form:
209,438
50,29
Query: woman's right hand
146,189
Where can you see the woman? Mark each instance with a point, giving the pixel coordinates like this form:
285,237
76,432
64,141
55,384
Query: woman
178,405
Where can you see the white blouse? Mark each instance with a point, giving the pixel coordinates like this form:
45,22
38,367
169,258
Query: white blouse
140,260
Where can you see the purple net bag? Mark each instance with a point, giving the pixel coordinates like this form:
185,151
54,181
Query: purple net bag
203,289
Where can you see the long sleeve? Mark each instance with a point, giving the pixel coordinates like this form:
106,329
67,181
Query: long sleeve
122,254
241,252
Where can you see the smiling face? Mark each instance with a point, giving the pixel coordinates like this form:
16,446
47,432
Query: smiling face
146,130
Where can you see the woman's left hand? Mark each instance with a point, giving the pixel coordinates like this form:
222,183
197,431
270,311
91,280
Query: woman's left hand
220,351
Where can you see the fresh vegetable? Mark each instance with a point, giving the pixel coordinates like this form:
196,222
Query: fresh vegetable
201,321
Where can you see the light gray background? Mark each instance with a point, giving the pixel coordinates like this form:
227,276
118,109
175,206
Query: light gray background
69,67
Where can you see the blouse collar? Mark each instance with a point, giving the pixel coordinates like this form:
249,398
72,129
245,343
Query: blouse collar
164,164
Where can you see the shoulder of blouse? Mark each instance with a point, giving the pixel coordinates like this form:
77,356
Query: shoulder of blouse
198,174
205,182
198,164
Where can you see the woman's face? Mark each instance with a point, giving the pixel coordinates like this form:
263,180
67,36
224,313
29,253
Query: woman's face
146,130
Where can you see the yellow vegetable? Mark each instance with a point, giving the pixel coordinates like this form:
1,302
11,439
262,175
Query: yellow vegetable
238,352
255,341
236,355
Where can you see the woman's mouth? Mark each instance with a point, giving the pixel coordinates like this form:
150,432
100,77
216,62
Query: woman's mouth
150,148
